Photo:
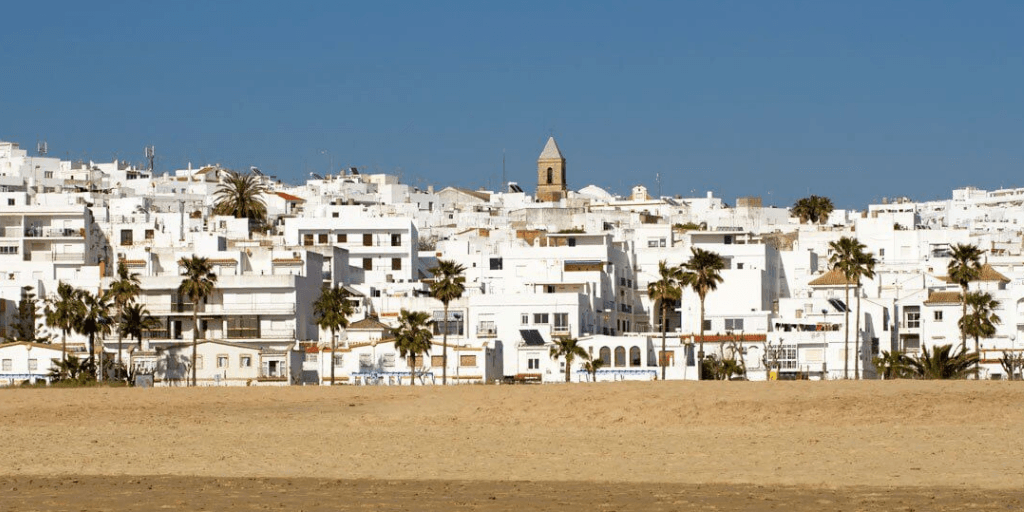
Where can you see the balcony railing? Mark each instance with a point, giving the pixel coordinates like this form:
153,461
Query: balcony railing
40,232
486,332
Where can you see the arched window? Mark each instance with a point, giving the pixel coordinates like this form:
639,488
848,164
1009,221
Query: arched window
620,356
551,175
634,356
606,356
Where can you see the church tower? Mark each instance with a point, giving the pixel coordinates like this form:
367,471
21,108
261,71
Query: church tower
550,173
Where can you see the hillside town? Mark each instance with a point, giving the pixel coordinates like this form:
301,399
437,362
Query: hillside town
215,277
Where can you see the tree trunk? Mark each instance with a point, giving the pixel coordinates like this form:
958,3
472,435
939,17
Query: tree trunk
963,320
412,370
444,349
119,317
977,366
195,339
846,334
64,345
334,347
568,365
700,353
664,327
857,347
99,368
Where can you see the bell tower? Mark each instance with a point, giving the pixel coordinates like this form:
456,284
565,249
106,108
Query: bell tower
550,173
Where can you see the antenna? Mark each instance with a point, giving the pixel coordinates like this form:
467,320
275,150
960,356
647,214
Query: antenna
41,148
150,155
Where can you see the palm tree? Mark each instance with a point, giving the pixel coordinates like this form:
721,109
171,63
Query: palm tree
413,337
702,274
864,267
813,208
593,365
982,320
892,365
845,254
198,283
332,310
239,196
65,311
96,323
123,292
964,267
570,349
448,285
667,290
135,320
942,363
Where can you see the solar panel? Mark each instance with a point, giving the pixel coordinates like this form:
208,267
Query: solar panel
532,337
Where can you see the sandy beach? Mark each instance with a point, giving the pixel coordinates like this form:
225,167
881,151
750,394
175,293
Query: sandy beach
616,446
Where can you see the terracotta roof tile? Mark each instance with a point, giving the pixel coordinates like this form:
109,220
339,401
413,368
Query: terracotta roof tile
831,278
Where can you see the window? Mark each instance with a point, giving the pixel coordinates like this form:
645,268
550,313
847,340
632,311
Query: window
524,319
222,361
365,360
551,174
634,356
10,202
199,362
620,356
562,322
322,238
495,263
49,174
396,263
540,318
532,364
367,263
245,361
10,249
453,325
149,234
307,239
436,361
33,365
739,266
467,360
243,327
734,324
881,252
707,325
396,240
8,365
367,239
342,238
334,215
938,316
126,237
311,357
339,360
787,357
605,355
389,360
913,319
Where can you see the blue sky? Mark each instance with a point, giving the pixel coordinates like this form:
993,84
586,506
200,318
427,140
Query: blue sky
853,100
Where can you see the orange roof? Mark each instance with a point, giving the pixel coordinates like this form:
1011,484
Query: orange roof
943,298
987,274
831,278
289,197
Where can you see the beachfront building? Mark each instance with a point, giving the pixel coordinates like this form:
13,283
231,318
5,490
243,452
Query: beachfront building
27,362
218,363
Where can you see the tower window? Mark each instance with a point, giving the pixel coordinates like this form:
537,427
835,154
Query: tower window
551,175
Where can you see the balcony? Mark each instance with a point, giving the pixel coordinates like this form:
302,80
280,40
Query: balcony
41,232
487,332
